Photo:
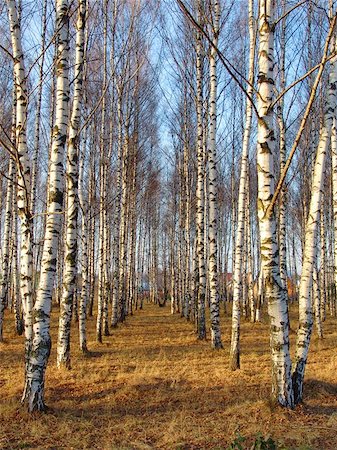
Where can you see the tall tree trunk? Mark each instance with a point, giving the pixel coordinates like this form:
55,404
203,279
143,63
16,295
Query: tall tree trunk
213,187
310,249
200,190
85,261
123,228
101,297
5,273
70,257
117,216
17,302
282,144
334,204
187,230
91,236
316,299
234,360
322,272
23,177
38,359
250,262
275,294
38,109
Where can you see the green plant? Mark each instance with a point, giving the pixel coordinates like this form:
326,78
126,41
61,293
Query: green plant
237,443
260,443
263,444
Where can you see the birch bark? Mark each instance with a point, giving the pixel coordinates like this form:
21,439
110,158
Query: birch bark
38,359
322,273
6,244
200,191
239,242
70,257
275,294
213,187
282,144
38,109
334,201
117,216
85,261
310,249
17,303
23,176
101,297
91,236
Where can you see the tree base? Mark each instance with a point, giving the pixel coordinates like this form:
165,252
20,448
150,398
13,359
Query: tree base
33,397
234,361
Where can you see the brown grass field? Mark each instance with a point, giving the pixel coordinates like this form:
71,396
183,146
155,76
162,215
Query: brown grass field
152,385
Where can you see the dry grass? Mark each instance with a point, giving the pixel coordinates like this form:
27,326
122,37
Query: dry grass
152,385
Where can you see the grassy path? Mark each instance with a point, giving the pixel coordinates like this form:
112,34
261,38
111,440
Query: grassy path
151,385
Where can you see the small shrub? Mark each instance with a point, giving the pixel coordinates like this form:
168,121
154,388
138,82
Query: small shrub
260,443
237,444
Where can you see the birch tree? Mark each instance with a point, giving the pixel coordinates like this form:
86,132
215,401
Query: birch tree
70,259
6,242
282,145
243,187
212,173
23,175
102,188
200,224
41,345
275,294
310,249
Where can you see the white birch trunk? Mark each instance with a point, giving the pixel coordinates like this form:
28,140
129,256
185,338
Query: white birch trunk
200,192
239,242
334,203
106,266
310,249
101,256
23,176
282,144
91,236
213,187
5,246
250,265
38,109
34,390
275,294
70,257
322,273
17,303
85,261
102,201
117,216
173,252
316,292
123,229
187,233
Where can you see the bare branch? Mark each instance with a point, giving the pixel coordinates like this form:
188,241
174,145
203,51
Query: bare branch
289,11
304,119
7,52
229,67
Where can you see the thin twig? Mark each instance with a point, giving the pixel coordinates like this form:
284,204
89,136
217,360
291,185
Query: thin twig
229,67
289,11
304,119
303,77
7,51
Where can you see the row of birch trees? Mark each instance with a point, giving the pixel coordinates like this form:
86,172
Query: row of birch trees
278,250
180,153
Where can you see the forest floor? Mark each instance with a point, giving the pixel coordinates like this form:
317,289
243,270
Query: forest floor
152,385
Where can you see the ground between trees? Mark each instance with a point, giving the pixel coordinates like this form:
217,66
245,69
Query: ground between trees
153,385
